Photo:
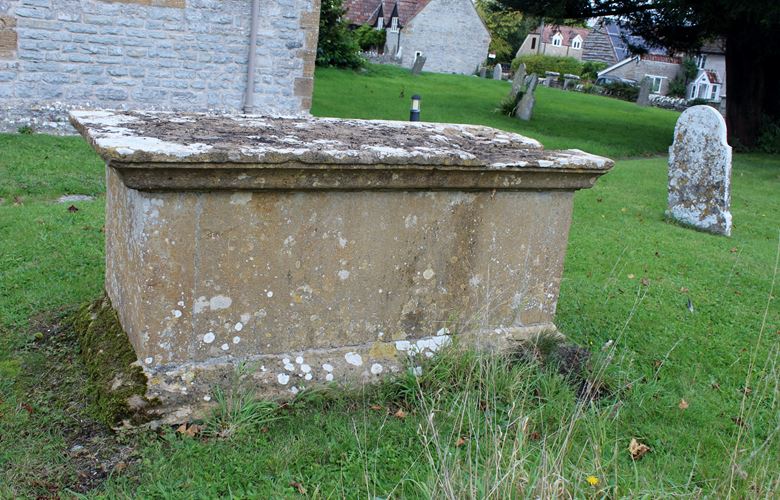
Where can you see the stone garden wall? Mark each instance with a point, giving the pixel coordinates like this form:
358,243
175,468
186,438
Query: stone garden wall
188,55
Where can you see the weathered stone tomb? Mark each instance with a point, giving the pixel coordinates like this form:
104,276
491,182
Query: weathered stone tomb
700,171
318,250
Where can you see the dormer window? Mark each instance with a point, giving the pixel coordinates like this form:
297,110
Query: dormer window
577,42
380,23
557,40
394,24
701,61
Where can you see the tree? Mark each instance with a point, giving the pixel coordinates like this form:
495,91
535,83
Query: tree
336,45
748,28
508,28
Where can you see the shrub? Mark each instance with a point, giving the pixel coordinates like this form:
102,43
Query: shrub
677,87
336,45
590,69
369,38
540,64
769,136
625,91
26,130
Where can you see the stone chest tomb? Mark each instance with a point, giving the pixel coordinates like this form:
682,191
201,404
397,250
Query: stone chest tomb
318,250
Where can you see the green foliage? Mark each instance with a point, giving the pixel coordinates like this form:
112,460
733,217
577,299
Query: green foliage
688,69
625,91
677,87
539,64
769,138
370,38
590,70
336,45
26,130
508,28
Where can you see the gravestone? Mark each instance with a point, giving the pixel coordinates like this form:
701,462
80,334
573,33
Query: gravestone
300,249
525,108
569,81
518,82
700,171
482,72
417,67
498,72
643,99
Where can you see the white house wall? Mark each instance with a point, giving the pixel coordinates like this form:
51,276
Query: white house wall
450,35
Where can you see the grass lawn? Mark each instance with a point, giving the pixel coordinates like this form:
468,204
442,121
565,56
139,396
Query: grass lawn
699,388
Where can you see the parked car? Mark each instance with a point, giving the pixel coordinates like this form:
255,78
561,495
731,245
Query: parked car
608,80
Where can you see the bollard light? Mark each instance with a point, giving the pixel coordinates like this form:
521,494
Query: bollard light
414,114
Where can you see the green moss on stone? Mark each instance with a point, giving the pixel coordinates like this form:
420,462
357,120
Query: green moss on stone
117,382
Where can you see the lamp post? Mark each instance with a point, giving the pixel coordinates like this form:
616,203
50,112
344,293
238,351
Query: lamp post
414,113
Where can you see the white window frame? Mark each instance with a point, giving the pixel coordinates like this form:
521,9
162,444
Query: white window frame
715,93
557,40
380,23
577,42
701,61
704,91
656,79
694,91
394,24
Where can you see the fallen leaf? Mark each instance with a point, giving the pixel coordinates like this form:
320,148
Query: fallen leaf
460,442
375,407
400,414
120,466
26,407
683,290
683,404
738,421
637,449
181,429
747,391
599,200
264,429
733,250
298,486
645,282
191,430
715,386
535,436
72,209
631,276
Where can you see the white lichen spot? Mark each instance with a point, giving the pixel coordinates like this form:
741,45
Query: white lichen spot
308,376
475,280
294,390
428,273
180,303
283,378
269,294
149,360
329,377
299,360
176,313
403,345
246,317
200,304
225,346
207,398
428,354
443,331
376,368
220,302
305,368
236,339
209,337
327,367
353,358
289,366
241,198
410,221
238,326
417,371
343,274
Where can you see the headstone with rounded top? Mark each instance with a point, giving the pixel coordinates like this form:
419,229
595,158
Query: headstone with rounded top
700,171
498,72
518,82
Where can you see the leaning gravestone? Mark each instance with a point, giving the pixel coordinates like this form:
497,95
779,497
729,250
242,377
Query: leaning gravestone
518,82
700,171
643,99
525,108
417,67
498,72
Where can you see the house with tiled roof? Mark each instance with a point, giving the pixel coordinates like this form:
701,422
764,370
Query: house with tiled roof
449,33
565,41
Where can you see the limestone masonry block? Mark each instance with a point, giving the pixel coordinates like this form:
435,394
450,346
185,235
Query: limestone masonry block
319,250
